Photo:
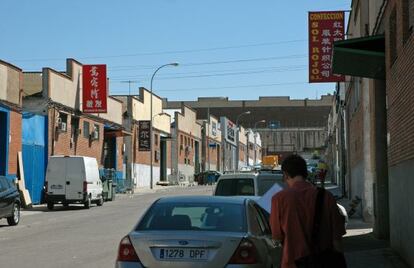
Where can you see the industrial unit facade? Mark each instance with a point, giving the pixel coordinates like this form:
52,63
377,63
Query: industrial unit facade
376,104
11,88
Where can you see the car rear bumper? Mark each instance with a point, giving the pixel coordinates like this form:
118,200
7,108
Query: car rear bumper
62,198
125,264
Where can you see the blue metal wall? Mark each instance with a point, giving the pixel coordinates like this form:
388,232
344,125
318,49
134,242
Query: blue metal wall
34,143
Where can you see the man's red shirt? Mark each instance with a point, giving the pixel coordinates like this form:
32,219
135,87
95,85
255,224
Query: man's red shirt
291,220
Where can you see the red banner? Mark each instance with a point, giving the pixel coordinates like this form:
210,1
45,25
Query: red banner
324,28
94,88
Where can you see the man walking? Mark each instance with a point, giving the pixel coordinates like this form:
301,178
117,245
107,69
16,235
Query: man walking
293,218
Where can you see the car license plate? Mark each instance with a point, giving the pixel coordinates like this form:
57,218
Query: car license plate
183,254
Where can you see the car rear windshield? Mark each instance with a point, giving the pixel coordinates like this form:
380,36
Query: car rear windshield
229,187
265,184
196,217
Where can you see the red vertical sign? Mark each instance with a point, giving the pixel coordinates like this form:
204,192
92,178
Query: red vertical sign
324,28
94,88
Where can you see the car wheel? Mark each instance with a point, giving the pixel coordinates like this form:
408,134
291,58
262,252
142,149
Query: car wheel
50,206
15,218
65,205
87,203
100,202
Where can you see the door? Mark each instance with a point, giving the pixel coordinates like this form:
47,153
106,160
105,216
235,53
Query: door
3,142
273,247
75,176
34,152
163,160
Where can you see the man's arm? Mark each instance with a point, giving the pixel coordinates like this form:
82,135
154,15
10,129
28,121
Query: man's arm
275,222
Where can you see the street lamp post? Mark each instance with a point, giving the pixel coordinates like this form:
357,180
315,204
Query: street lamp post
237,138
151,135
255,140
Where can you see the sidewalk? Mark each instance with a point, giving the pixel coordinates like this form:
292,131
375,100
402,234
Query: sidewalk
362,249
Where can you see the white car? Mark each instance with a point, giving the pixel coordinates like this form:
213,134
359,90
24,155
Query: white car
73,179
253,184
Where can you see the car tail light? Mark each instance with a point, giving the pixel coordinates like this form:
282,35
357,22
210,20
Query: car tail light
126,251
246,253
85,187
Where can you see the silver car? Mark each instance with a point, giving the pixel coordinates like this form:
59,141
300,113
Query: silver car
200,231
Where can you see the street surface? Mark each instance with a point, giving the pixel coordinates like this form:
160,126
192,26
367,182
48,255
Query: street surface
76,237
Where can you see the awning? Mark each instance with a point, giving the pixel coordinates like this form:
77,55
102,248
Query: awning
362,57
116,133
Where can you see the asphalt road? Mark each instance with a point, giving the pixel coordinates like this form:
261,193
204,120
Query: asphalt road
77,237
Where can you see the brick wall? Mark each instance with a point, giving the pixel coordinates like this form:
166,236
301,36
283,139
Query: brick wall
142,157
15,144
212,153
185,140
400,89
80,145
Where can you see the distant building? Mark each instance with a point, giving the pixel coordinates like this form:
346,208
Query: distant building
291,125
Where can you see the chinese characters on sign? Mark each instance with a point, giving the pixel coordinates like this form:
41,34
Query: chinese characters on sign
94,88
231,132
144,137
324,29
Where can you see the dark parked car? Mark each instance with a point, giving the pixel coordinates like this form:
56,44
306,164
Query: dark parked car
9,201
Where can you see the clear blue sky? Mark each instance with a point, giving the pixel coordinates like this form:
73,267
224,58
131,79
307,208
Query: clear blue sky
241,49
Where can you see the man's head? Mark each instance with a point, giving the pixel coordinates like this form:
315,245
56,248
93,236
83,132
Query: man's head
294,168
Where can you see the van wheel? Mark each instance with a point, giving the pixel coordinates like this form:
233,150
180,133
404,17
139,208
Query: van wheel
14,219
50,206
87,204
100,201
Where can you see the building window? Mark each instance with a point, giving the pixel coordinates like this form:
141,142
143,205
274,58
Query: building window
393,36
96,130
181,140
192,143
62,122
86,130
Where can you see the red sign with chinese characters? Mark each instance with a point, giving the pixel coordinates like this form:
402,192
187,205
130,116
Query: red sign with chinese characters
94,88
324,28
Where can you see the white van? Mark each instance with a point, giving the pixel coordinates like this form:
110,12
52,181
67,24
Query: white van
73,179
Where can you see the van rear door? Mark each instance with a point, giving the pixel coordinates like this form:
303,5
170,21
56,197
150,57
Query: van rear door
55,176
75,176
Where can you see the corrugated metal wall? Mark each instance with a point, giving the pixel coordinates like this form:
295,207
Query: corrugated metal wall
34,143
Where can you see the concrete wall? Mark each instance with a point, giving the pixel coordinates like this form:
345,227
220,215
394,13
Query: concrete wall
186,121
114,113
11,83
141,110
292,139
33,83
64,88
402,209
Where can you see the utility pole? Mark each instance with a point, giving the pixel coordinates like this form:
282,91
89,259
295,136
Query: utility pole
208,137
129,84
